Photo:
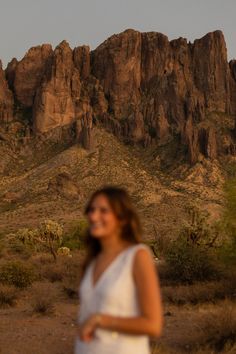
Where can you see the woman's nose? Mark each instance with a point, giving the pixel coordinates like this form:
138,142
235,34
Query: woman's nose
94,214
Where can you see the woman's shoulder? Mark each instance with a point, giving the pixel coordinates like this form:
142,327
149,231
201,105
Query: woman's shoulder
143,261
134,251
141,245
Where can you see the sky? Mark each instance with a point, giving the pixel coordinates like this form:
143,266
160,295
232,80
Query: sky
27,23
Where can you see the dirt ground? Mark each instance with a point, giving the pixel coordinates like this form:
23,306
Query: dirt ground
24,332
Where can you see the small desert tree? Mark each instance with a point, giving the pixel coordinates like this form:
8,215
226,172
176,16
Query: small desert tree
27,236
48,235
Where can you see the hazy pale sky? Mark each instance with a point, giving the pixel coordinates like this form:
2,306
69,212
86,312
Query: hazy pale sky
26,23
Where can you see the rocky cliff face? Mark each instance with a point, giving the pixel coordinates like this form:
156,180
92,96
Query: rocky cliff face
144,88
232,82
159,88
25,76
6,99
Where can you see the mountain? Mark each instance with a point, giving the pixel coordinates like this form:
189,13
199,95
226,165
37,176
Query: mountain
155,115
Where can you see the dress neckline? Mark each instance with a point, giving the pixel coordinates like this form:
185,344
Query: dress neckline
107,269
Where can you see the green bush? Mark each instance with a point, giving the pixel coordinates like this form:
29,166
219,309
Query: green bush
227,253
48,236
17,274
18,248
228,250
188,262
192,256
74,238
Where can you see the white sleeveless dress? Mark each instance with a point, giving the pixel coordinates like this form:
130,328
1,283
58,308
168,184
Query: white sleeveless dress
115,294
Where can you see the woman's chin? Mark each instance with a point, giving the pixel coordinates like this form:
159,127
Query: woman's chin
97,235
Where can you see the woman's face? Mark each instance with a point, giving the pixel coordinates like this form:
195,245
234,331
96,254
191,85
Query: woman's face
102,220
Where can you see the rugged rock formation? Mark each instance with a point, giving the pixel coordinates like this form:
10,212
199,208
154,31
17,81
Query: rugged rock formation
141,86
6,99
81,57
25,76
232,82
53,105
64,185
68,94
169,85
117,65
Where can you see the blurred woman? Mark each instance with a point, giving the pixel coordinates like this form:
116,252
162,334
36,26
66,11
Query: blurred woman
120,299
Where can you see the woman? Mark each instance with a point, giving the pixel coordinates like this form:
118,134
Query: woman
120,300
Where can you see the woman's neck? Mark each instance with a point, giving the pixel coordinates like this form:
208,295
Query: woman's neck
112,244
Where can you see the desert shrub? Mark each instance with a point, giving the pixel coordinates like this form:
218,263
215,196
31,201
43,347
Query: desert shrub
66,269
48,236
15,246
199,292
43,297
63,251
227,252
17,273
70,285
159,244
74,238
52,272
192,255
71,276
26,236
218,327
8,295
188,263
42,259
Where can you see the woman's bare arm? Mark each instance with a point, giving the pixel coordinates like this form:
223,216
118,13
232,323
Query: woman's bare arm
150,321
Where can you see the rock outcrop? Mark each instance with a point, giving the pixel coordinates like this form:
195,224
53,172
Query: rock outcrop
53,105
64,185
68,94
6,99
232,81
142,87
156,87
26,75
117,65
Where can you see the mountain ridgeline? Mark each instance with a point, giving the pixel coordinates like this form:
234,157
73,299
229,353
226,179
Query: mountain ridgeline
142,87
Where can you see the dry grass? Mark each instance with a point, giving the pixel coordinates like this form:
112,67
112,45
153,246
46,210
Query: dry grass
66,270
65,267
8,295
199,292
218,327
43,297
71,276
52,272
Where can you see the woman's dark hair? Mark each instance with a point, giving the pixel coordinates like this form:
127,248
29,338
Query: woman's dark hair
121,204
